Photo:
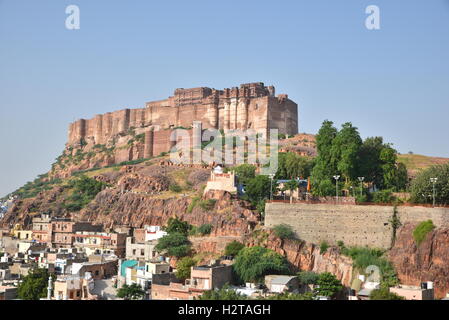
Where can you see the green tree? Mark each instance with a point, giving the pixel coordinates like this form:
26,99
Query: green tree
245,172
175,225
327,285
131,292
384,294
233,248
253,263
284,231
174,245
183,267
308,277
345,151
370,165
205,229
291,185
34,285
388,156
325,163
84,190
292,166
258,188
422,188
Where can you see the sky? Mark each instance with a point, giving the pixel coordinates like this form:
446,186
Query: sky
392,82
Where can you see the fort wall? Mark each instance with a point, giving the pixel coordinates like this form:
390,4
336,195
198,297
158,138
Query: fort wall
250,106
355,225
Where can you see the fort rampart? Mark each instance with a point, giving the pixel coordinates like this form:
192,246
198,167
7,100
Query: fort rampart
355,225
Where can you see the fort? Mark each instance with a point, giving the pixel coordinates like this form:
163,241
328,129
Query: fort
355,225
250,106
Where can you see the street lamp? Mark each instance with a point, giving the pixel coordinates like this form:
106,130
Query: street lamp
336,177
361,185
271,175
433,180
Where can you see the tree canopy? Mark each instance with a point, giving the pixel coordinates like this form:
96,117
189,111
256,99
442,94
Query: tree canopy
174,244
131,292
245,172
344,153
253,263
327,285
422,187
183,267
34,285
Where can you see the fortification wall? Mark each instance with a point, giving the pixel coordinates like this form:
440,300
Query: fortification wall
252,106
354,225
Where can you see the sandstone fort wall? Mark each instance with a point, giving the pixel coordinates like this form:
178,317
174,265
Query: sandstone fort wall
250,106
355,225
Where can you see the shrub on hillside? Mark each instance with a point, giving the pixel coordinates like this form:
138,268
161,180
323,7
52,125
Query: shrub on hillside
205,229
421,231
233,248
284,231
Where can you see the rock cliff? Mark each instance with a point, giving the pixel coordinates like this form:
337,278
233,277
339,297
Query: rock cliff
427,262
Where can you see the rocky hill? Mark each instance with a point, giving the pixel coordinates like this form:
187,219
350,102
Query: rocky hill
428,261
416,162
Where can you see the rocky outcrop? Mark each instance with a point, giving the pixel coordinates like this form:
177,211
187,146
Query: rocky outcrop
427,262
112,207
307,257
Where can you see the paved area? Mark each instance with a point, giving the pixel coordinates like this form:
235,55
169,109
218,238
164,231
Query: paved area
105,289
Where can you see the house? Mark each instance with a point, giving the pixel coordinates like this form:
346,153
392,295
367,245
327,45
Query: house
202,278
143,251
23,234
140,272
100,242
98,266
62,230
73,287
281,283
424,292
8,293
221,181
41,230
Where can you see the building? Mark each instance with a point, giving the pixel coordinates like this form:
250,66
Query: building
221,181
99,267
41,231
250,106
8,293
140,272
63,229
424,292
100,242
143,251
281,283
202,278
69,287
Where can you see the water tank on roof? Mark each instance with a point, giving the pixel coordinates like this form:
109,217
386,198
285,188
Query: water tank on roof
424,285
429,285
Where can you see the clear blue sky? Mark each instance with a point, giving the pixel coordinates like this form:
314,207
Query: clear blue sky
392,82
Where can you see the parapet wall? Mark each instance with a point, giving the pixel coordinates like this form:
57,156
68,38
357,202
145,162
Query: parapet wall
353,224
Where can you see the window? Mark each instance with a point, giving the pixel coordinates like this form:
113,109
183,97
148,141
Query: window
142,252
